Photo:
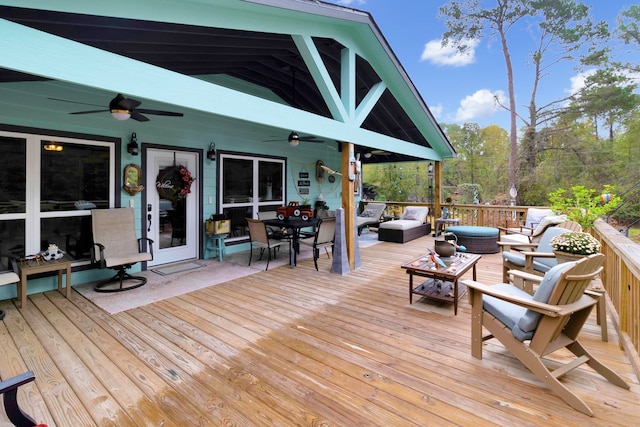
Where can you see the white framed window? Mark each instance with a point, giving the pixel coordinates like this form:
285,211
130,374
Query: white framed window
47,187
248,185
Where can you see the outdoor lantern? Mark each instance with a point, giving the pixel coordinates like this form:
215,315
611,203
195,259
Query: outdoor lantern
211,153
132,147
513,193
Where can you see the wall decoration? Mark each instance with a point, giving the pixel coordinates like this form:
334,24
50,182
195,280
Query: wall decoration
302,175
304,183
303,191
174,183
132,178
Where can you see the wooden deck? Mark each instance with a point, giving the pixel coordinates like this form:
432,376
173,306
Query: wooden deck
292,348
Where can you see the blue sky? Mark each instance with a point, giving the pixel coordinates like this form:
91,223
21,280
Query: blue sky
459,90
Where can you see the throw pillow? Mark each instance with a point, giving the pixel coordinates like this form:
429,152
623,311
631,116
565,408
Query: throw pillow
368,213
411,214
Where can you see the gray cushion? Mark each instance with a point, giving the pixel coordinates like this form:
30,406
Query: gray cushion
507,313
522,321
529,321
401,224
541,265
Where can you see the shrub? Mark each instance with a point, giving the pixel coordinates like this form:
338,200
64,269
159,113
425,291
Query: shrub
584,205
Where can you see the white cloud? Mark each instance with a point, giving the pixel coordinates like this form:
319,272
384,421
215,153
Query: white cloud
578,81
437,54
436,110
480,104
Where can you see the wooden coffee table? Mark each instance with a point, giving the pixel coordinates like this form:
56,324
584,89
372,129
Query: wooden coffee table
442,283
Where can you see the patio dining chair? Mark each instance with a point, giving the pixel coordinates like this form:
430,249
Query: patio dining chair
9,392
259,237
323,237
116,246
534,326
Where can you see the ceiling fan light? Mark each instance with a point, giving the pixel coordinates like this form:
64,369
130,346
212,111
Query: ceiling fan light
121,114
294,139
368,155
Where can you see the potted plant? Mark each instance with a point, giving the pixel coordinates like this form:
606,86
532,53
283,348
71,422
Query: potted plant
583,205
574,245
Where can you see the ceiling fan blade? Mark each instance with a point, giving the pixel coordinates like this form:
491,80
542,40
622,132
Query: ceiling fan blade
311,139
122,103
135,115
90,112
159,112
73,102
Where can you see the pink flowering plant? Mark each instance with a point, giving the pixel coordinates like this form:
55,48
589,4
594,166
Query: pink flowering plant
575,242
187,180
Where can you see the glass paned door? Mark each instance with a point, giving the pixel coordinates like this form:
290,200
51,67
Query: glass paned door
171,217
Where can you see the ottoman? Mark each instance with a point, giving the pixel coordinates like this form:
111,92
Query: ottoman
477,240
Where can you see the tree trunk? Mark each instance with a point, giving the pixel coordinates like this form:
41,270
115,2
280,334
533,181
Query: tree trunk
513,132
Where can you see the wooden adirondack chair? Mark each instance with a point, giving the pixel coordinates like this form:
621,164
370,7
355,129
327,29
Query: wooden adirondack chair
532,327
538,258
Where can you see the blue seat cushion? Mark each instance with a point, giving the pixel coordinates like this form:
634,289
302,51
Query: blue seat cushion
521,321
507,313
473,231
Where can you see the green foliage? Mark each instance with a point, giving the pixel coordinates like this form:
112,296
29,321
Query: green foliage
583,205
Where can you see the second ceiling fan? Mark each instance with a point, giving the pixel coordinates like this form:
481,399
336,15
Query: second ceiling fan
294,139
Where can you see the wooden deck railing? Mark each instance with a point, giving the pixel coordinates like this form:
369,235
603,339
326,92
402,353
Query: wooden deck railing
621,276
621,279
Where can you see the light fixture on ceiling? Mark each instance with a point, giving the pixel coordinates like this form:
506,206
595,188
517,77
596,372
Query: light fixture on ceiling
368,155
132,147
52,146
211,152
294,139
121,114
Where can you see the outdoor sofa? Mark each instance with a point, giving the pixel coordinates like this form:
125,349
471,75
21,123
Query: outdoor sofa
410,226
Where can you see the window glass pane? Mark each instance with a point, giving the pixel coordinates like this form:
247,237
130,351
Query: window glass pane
238,216
237,180
13,175
270,181
73,176
173,223
72,235
11,242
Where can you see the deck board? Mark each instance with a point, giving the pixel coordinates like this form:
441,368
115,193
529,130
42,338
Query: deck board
293,347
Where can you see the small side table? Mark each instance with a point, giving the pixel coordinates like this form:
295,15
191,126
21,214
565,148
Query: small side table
597,291
61,266
442,223
215,242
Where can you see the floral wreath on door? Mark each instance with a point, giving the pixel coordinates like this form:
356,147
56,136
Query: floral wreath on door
174,183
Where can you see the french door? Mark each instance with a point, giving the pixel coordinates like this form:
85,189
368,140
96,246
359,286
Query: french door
171,218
